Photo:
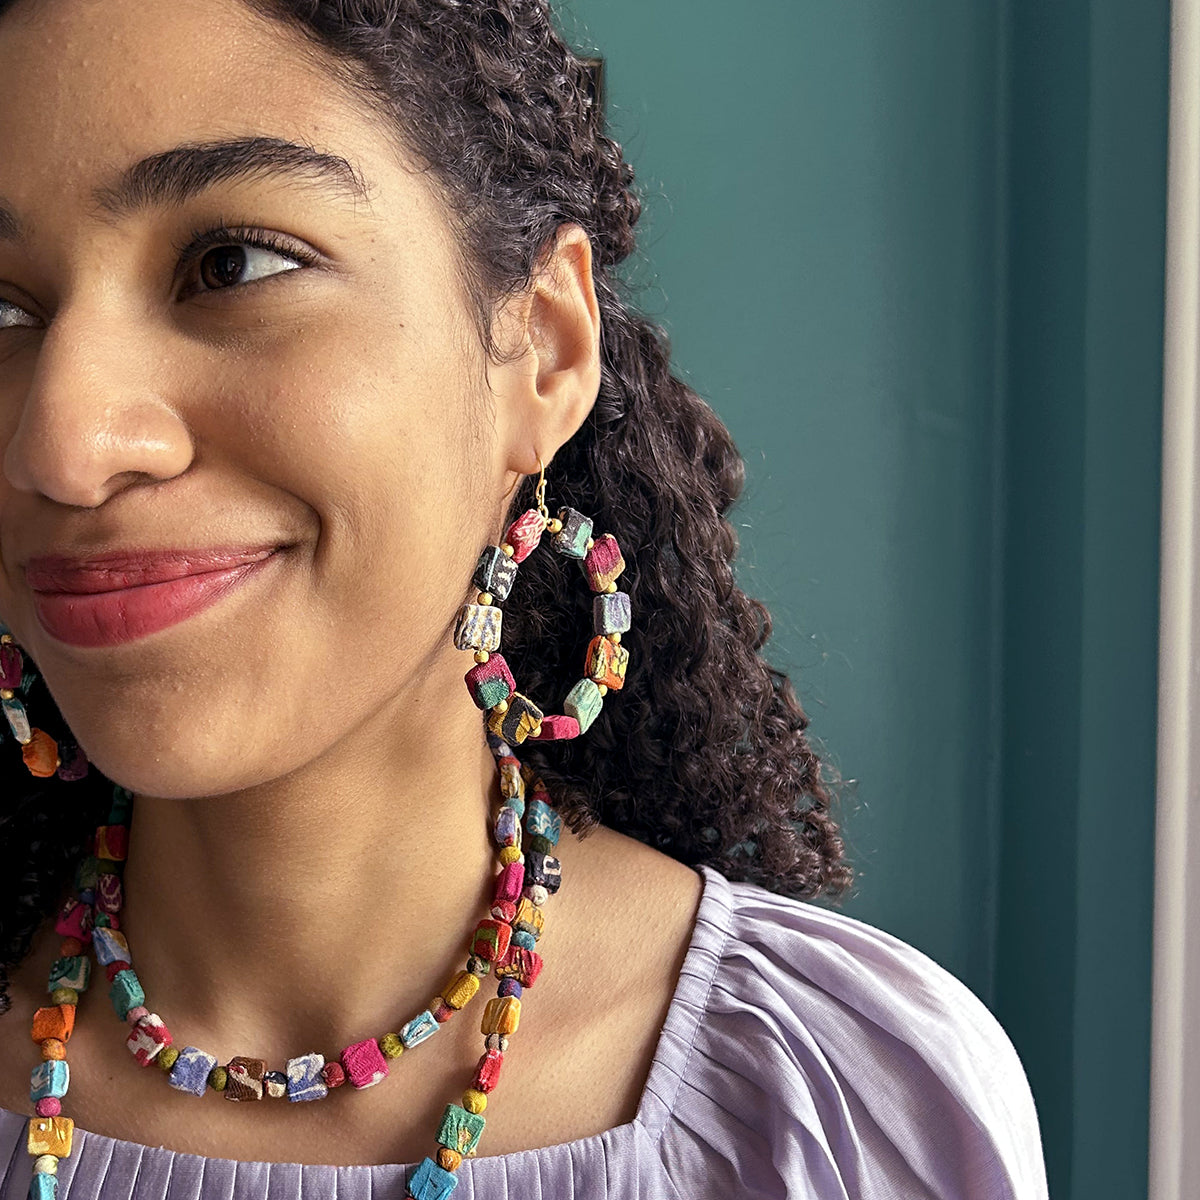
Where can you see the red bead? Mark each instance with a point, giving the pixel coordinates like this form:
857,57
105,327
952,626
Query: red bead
111,969
504,910
524,534
443,1013
333,1074
487,1071
491,940
557,727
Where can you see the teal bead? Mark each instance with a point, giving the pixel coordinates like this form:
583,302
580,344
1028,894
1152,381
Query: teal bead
460,1130
422,1026
126,992
584,702
431,1182
74,971
50,1078
122,806
44,1187
525,940
572,539
542,821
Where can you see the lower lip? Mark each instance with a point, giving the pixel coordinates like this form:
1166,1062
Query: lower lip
111,618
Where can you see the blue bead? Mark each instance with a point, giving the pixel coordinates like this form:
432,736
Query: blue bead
524,939
51,1078
509,987
422,1026
42,1186
304,1078
542,821
190,1071
430,1182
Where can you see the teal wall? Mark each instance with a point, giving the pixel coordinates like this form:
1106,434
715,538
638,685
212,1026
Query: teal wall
913,254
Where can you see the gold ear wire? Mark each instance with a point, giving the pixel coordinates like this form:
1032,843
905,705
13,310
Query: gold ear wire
541,491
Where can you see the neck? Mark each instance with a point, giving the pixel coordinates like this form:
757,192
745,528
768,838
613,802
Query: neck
323,907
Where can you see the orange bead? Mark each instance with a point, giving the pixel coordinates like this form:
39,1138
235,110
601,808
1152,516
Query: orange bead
70,948
50,1135
53,1049
55,1022
448,1160
41,754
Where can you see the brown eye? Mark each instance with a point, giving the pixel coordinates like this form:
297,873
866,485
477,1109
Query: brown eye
230,265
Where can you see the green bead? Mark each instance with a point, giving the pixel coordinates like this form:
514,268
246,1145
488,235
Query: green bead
460,1130
64,995
218,1077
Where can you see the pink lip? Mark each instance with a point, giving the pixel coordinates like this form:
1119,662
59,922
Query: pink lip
104,602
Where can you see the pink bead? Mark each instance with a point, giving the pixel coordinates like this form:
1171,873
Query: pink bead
603,563
134,1015
10,665
75,920
483,674
509,883
558,727
49,1106
364,1063
524,534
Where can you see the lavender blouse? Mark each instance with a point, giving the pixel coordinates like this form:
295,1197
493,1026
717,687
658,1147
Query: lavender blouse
805,1054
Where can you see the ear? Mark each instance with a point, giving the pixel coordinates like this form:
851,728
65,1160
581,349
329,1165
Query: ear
549,376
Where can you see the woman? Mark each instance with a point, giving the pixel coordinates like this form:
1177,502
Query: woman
311,306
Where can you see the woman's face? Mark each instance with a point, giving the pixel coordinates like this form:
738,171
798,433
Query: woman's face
326,393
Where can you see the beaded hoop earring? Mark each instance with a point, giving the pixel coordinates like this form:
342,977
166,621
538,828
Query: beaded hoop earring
43,756
512,715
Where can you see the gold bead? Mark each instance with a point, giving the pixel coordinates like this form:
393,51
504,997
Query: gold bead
5,637
591,542
474,1101
485,597
501,708
510,854
554,525
5,694
615,638
602,688
505,548
481,656
612,587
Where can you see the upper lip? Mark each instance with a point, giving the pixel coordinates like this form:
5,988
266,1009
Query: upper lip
134,567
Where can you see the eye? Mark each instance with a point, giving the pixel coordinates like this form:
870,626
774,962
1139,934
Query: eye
14,317
223,258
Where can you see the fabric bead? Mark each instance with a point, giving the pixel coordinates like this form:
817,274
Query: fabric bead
58,1020
275,1084
526,941
524,534
520,964
304,1078
517,721
74,763
190,1070
333,1074
603,563
244,1078
557,727
447,1159
147,1039
11,665
508,827
542,821
474,1101
422,1026
606,662
52,1048
70,948
109,897
364,1063
495,572
45,1164
517,804
611,612
113,969
536,894
42,1187
112,842
509,987
135,1014
529,919
75,921
504,911
543,869
461,989
431,1182
511,854
390,1045
541,844
50,1135
442,1012
126,992
18,719
496,1041
460,1129
572,538
48,1106
511,782
218,1079
122,806
490,940
109,945
70,972
479,966
487,1071
106,920
501,1015
509,883
62,995
490,682
51,1078
167,1057
40,754
478,627
584,702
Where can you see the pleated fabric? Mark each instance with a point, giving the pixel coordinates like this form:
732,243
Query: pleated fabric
805,1055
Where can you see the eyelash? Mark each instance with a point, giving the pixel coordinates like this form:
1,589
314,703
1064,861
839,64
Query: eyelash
197,243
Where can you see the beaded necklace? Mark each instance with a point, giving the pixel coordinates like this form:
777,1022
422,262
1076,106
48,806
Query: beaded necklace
503,942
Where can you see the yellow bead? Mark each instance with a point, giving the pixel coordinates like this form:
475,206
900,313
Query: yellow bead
505,548
510,854
5,694
473,1101
590,543
391,1045
166,1057
614,637
602,688
481,656
64,995
460,989
501,708
50,1135
502,1015
612,587
484,598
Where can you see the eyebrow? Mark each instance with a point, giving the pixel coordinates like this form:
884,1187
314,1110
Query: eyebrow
172,177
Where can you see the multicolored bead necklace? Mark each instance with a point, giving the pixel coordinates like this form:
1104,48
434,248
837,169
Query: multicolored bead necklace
503,944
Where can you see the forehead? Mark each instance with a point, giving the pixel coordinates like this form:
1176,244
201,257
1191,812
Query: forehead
92,86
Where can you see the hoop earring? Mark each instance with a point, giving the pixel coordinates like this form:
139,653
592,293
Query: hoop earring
511,715
43,755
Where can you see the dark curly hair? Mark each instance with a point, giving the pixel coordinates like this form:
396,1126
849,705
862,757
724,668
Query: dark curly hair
706,756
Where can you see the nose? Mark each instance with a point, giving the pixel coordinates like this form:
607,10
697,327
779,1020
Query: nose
94,418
